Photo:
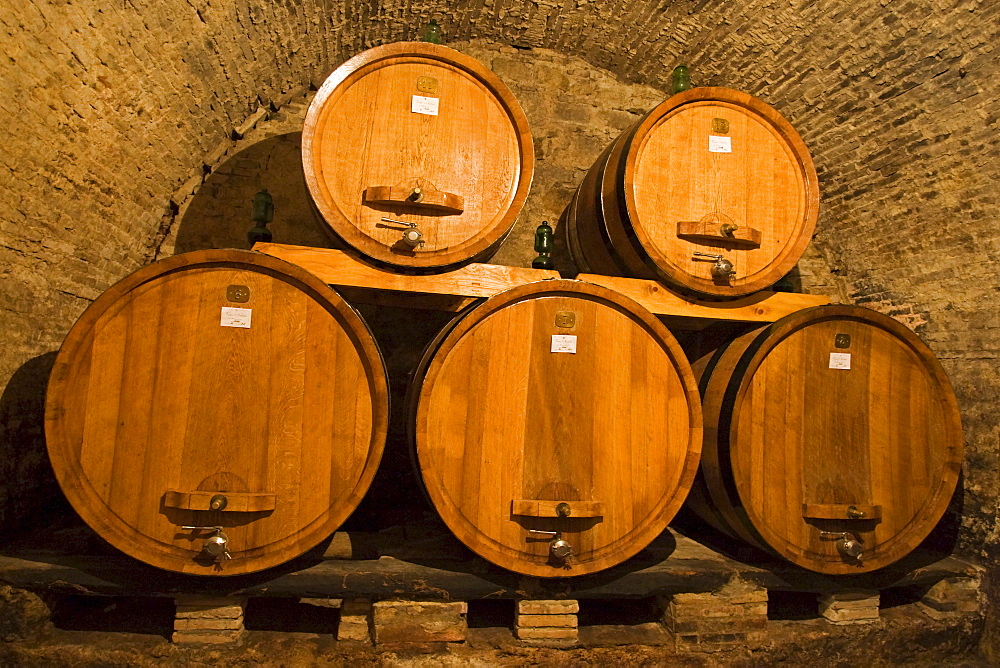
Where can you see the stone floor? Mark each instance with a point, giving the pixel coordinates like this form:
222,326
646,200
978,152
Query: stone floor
91,631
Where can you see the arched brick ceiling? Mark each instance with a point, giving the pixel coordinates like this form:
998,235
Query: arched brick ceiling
110,109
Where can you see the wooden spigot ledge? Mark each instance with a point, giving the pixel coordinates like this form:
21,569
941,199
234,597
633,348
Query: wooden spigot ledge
454,290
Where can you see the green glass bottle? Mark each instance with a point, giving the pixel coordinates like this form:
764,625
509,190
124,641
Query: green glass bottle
681,79
432,33
786,283
263,213
543,246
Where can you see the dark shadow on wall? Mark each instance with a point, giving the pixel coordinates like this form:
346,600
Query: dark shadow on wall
944,537
219,216
29,494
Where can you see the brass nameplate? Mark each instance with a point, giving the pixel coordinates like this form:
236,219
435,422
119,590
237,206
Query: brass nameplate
238,293
565,319
720,126
427,84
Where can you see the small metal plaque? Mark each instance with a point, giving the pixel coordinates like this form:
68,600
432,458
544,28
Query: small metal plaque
565,319
427,84
720,126
842,341
238,293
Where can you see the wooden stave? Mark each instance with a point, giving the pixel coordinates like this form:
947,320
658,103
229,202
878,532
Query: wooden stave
724,377
79,490
603,217
417,412
342,230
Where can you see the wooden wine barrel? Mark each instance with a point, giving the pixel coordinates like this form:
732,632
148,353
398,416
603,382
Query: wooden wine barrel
833,423
424,135
557,406
218,388
710,170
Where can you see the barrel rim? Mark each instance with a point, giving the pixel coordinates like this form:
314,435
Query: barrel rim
642,242
667,506
121,534
930,513
343,227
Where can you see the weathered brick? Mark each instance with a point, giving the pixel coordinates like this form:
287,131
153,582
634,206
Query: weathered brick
952,590
411,621
355,620
208,636
845,607
548,607
951,597
234,624
526,621
209,612
943,612
546,633
725,625
718,609
854,597
856,615
322,602
708,621
728,596
717,642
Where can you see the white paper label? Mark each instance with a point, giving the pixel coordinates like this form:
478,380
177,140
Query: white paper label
563,343
424,105
717,144
840,360
236,317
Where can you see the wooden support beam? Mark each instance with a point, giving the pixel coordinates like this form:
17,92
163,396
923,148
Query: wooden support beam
453,290
670,565
759,307
338,268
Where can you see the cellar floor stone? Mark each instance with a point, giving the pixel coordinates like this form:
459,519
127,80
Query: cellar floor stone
904,637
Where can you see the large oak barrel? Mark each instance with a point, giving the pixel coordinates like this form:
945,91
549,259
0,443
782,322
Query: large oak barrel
832,431
217,389
560,407
712,171
423,135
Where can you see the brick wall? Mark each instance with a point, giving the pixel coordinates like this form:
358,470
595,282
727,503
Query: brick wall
115,113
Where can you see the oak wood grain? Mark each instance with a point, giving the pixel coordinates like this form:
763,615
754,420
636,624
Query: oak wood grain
236,502
498,416
339,268
535,508
841,511
796,434
151,392
415,197
361,133
762,306
661,177
713,231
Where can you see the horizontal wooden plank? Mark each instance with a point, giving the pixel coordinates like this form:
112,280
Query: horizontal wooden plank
536,508
760,307
338,268
235,502
841,511
476,280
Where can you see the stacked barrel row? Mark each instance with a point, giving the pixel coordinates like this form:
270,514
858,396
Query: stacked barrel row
222,412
